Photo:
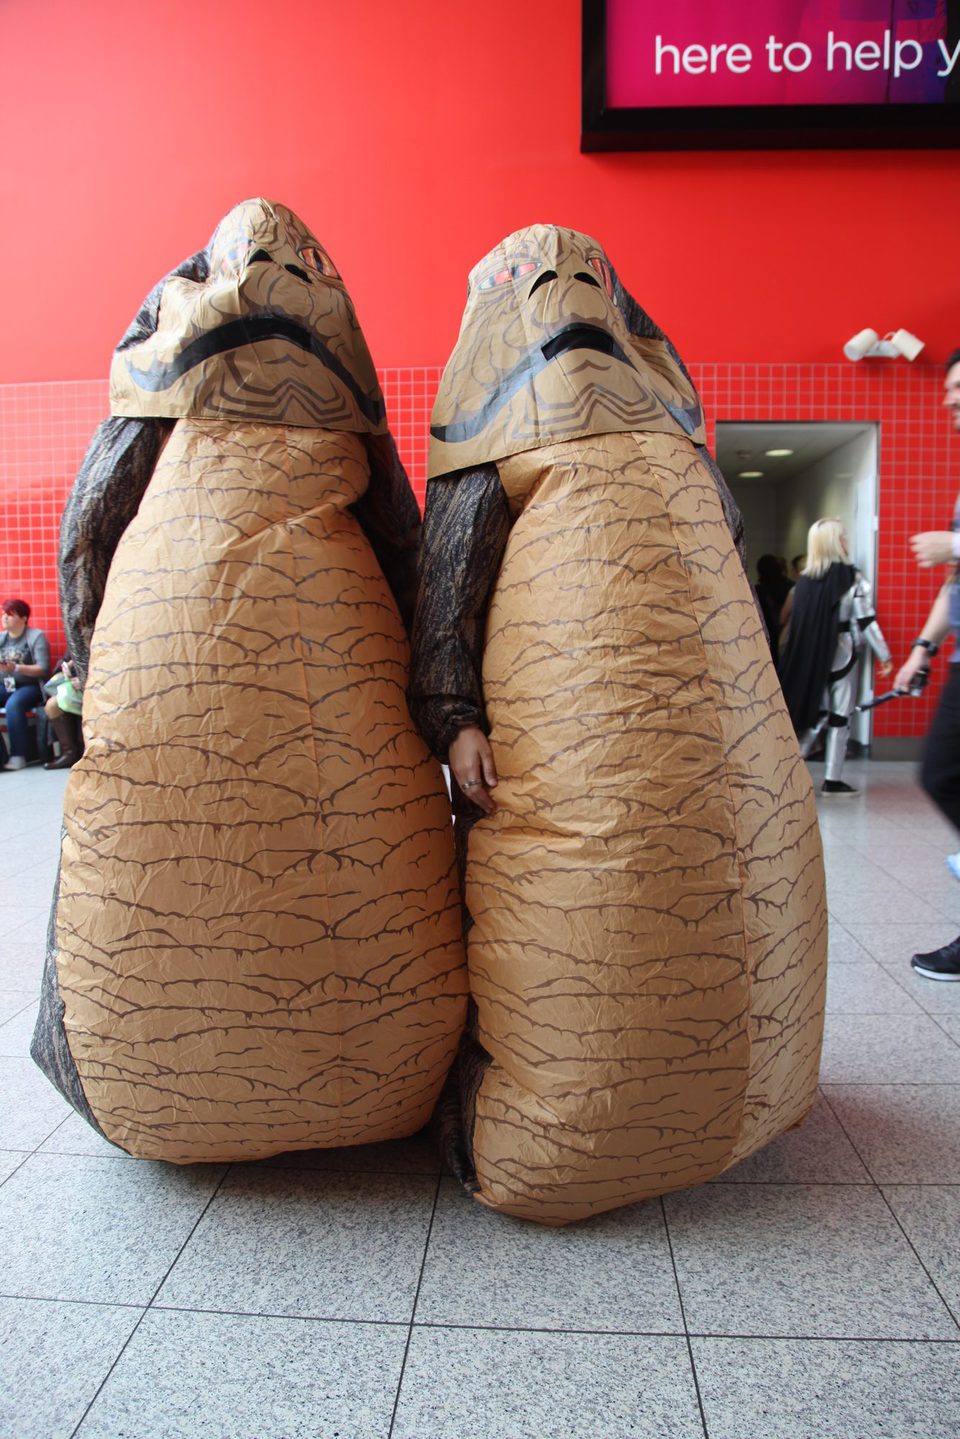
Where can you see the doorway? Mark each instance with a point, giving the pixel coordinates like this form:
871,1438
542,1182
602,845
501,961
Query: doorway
785,475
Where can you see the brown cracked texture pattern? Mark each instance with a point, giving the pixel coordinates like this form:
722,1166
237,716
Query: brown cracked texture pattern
258,920
648,950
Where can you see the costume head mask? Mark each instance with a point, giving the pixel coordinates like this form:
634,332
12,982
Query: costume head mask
258,326
552,347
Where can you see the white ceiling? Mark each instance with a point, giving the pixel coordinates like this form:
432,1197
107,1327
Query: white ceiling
741,445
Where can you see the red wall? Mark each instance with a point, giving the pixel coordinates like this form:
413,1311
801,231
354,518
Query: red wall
412,135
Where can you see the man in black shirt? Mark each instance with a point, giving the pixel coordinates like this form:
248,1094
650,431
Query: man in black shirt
940,771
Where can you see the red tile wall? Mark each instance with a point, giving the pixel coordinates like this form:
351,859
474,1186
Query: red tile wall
45,428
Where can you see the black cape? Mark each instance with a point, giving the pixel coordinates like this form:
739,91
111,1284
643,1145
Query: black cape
808,654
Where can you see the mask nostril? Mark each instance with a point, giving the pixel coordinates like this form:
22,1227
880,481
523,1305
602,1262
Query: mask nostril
541,280
300,274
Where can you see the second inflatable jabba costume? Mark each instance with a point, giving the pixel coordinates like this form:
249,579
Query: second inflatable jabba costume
257,942
647,940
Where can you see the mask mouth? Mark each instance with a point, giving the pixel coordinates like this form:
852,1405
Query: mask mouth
583,337
577,336
236,334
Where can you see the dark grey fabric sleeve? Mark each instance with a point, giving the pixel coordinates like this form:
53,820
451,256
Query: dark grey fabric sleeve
49,1047
640,323
465,529
105,497
389,516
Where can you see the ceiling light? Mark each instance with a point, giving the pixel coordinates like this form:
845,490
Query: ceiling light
750,475
777,454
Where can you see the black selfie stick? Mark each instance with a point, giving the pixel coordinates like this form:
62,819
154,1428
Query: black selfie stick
917,687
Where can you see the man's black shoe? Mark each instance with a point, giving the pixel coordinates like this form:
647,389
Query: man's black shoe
836,786
939,963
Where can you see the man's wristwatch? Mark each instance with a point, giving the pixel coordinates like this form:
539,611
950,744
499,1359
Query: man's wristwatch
927,645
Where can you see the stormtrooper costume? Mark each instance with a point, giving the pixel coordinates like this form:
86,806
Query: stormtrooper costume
857,626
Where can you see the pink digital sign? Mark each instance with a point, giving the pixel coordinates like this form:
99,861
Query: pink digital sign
726,53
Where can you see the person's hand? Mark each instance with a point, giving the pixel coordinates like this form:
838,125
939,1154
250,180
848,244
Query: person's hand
919,659
472,766
884,667
933,547
8,666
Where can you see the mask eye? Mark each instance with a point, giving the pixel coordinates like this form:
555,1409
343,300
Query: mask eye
319,261
598,263
507,275
232,259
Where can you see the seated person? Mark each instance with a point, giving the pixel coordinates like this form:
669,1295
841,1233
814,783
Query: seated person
24,665
63,710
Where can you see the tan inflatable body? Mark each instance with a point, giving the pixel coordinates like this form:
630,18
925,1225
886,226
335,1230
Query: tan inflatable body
258,932
648,947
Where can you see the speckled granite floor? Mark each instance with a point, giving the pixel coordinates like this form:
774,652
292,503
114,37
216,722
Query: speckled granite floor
813,1293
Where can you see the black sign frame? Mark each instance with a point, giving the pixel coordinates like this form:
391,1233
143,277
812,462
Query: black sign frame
754,127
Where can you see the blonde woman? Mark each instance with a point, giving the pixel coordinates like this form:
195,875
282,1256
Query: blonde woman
831,618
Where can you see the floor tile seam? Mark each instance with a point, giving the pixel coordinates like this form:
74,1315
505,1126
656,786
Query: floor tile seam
886,1202
72,1299
831,1183
862,891
849,1137
155,1308
461,1326
941,909
330,1169
826,1084
890,1084
691,1360
898,982
789,1184
882,1013
123,1348
30,1153
122,1158
895,874
936,1019
877,1185
121,1351
407,1324
27,1154
895,1083
827,1339
416,1300
587,1331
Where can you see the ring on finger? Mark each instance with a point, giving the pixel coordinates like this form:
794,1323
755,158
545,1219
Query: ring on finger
469,783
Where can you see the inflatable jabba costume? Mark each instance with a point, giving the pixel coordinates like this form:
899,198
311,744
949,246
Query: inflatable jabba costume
256,945
647,945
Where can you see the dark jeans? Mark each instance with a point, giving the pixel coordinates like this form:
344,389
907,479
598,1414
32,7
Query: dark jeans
940,769
26,697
